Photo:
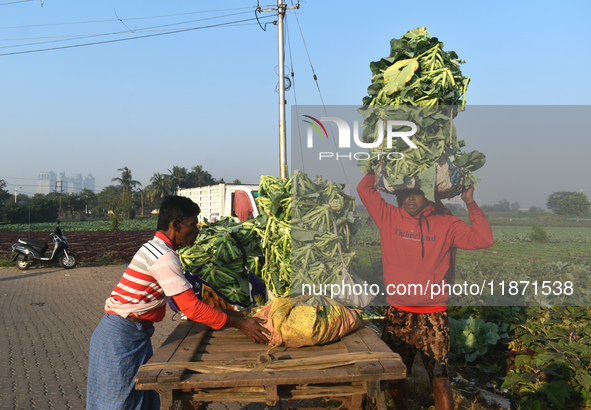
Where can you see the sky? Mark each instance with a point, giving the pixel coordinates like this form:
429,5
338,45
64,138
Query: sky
91,87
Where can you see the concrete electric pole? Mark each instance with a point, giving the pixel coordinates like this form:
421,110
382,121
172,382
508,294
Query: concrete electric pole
281,8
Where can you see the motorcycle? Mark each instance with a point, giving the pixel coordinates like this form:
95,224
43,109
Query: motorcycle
27,252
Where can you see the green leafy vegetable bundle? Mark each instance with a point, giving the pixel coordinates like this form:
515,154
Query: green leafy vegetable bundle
322,225
320,235
421,83
274,230
217,256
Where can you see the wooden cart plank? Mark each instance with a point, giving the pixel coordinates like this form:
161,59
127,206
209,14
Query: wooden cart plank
376,344
221,348
335,375
354,343
269,364
283,392
276,355
185,352
165,352
248,346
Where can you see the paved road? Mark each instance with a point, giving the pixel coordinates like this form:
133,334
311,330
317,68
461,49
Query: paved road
47,317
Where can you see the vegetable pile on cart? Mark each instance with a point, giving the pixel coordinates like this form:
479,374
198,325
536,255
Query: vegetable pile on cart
311,248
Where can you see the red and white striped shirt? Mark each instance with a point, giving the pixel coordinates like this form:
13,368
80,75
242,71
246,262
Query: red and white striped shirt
153,276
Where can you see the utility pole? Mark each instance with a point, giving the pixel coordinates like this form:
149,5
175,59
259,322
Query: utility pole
281,8
59,185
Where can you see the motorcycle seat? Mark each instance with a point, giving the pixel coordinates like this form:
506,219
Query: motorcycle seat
40,246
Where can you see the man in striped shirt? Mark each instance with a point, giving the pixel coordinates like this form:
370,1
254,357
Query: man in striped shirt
121,342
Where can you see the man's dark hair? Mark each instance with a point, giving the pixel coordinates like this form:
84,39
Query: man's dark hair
176,208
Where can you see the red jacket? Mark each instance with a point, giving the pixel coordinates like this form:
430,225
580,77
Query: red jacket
416,251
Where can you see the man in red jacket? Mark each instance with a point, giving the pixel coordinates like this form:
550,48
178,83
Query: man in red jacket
418,241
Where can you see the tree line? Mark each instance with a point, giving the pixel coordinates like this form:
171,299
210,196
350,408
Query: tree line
125,198
563,203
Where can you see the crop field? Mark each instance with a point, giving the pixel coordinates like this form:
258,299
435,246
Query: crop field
555,234
91,247
138,224
94,241
369,234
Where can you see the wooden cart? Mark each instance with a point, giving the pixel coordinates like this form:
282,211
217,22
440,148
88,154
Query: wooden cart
196,363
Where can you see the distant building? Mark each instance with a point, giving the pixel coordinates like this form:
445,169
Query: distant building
46,182
49,181
88,182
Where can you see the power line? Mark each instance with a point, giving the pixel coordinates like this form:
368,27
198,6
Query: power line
29,179
13,2
318,87
295,99
84,36
227,24
117,19
19,184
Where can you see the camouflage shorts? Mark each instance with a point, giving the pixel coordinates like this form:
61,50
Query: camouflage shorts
407,333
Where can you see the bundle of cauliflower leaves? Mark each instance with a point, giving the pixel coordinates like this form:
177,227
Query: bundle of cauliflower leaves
421,83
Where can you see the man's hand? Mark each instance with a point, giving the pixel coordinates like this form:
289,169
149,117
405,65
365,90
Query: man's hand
251,327
468,195
236,313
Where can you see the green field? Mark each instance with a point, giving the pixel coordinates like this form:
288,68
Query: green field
509,233
92,225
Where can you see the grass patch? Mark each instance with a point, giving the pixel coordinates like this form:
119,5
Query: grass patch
6,261
532,253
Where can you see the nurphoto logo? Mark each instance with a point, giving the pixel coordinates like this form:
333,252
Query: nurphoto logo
393,129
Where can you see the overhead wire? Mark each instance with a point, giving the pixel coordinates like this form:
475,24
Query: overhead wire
13,2
30,179
315,77
83,36
117,19
294,95
225,24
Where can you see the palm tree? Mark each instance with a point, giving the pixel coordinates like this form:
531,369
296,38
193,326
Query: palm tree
160,187
126,181
202,178
179,176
